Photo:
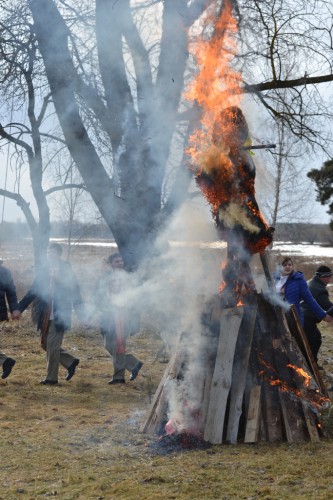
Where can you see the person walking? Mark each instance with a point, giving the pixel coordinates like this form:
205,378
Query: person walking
117,319
57,291
318,288
293,288
7,297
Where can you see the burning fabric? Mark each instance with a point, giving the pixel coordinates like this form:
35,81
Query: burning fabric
224,169
227,178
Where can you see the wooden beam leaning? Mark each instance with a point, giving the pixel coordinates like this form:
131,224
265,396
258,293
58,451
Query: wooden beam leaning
230,322
296,329
155,408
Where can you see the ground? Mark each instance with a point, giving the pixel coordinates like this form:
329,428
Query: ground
82,439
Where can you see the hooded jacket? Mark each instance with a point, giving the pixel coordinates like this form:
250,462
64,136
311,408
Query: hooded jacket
296,289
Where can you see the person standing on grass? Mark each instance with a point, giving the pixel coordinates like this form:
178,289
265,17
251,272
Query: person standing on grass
57,291
117,319
293,288
318,288
7,296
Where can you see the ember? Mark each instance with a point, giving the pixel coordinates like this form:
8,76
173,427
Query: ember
178,442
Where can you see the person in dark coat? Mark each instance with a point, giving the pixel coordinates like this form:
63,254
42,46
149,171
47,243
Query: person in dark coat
293,288
7,296
118,319
318,288
57,291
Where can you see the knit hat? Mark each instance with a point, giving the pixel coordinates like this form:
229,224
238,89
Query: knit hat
324,272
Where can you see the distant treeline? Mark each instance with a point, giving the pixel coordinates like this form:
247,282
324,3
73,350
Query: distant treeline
307,233
11,231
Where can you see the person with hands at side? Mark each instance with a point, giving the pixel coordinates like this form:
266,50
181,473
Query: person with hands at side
57,291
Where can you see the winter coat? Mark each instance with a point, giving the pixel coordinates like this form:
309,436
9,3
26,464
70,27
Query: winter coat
319,291
66,295
7,291
112,303
295,290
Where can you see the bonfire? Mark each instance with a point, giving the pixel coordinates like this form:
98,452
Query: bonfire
259,380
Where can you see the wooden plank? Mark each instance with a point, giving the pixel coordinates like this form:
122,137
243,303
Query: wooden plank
230,322
242,354
170,372
271,408
290,385
253,416
296,329
208,377
310,423
293,418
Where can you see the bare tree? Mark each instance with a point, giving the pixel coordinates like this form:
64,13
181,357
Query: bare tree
117,90
23,83
283,178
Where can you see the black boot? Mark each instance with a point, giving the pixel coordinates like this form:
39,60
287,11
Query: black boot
7,367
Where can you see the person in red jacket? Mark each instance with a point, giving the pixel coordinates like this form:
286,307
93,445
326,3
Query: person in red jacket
7,296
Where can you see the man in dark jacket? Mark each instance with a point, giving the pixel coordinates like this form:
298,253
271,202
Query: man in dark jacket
318,288
57,291
7,295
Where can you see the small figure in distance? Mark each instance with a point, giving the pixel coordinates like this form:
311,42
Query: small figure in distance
118,319
7,296
57,291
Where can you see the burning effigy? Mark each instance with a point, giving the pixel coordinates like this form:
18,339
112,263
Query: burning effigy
220,158
226,178
257,380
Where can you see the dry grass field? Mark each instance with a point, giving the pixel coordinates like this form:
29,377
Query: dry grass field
82,440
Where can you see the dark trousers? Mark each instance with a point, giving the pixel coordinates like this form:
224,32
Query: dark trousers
313,335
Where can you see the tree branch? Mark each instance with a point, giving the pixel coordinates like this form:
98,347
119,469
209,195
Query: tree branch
25,207
18,142
47,192
286,84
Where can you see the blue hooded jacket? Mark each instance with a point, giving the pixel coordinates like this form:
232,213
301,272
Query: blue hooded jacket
296,289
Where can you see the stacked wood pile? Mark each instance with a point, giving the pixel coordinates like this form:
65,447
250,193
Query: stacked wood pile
259,382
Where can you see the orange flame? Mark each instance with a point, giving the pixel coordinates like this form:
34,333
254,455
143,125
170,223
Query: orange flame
217,84
223,172
306,377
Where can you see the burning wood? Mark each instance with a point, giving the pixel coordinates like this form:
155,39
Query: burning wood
256,383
